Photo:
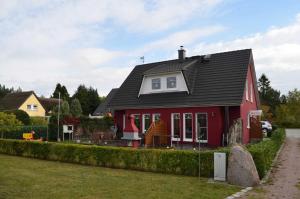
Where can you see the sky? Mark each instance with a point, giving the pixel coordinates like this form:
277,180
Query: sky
98,42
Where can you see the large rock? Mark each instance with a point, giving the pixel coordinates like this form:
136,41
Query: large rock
241,168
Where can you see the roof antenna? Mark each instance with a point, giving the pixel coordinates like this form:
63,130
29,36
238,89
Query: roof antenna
142,59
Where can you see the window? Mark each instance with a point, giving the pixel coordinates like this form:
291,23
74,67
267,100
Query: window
251,93
32,107
171,82
187,127
155,117
201,127
247,92
156,84
175,126
146,122
137,121
124,121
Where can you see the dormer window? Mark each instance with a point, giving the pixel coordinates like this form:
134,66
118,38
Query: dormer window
171,82
156,84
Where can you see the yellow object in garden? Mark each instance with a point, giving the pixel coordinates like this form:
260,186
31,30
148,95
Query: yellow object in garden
28,136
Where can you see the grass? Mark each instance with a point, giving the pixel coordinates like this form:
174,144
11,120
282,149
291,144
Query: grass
31,178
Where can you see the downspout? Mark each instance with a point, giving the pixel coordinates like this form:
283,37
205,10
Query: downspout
226,125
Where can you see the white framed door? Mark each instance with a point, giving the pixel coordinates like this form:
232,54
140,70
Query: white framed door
155,117
175,126
146,122
201,127
188,127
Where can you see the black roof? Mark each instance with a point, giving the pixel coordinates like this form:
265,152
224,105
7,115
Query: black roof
216,81
170,67
49,103
12,101
102,108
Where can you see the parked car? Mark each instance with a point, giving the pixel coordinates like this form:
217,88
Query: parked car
266,127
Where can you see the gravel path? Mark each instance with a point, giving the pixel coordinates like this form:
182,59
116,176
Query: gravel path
285,176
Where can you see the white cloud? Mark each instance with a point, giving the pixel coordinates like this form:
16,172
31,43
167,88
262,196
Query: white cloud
186,37
48,41
276,53
157,15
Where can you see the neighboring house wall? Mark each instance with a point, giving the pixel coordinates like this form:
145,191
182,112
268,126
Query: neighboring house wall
249,103
146,86
36,108
215,118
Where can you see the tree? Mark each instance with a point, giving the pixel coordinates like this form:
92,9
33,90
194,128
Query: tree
288,114
263,84
75,108
88,97
64,109
8,122
63,92
268,96
4,90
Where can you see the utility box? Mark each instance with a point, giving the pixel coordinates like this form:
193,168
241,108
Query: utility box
220,166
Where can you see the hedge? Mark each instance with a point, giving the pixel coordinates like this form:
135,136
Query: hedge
264,152
40,131
180,162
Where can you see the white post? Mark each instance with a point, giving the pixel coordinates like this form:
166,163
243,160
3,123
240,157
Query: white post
58,138
199,156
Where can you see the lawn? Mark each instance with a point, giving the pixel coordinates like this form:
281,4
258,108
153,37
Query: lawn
31,178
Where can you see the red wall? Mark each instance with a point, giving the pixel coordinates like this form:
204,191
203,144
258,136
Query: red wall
247,106
215,117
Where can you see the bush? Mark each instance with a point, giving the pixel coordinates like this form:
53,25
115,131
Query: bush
264,152
40,131
40,121
21,116
155,160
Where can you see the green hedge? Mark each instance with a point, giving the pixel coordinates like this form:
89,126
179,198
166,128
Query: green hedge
40,131
264,152
155,160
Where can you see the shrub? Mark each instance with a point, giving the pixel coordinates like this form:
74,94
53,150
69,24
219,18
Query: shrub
164,161
264,152
40,121
8,122
40,131
21,116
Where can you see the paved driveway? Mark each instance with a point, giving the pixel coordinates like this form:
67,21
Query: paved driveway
293,133
286,173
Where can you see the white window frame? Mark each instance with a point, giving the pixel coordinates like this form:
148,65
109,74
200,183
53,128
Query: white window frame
184,133
251,93
156,89
153,116
31,107
34,107
172,127
137,114
196,127
143,121
124,121
175,82
247,90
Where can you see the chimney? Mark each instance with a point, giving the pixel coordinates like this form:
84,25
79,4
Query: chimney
181,53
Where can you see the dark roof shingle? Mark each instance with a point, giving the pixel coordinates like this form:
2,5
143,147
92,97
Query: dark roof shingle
102,108
13,101
220,81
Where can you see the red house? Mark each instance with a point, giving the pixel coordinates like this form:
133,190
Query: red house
197,97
